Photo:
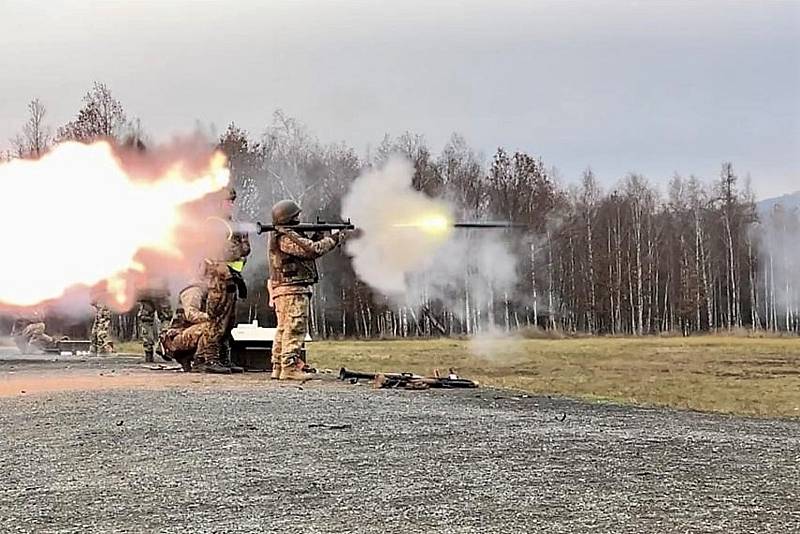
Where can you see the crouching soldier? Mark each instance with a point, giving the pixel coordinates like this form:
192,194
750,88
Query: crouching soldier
195,335
293,272
29,332
182,340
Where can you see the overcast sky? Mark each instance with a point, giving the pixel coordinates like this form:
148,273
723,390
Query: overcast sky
650,87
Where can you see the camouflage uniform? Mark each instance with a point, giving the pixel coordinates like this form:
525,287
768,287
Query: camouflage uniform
30,332
236,253
193,303
152,303
216,296
183,339
197,331
101,338
189,331
209,304
293,271
292,311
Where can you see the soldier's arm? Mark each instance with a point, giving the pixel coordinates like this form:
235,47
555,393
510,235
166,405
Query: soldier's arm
297,245
192,302
194,315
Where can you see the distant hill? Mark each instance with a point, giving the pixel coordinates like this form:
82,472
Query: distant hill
789,201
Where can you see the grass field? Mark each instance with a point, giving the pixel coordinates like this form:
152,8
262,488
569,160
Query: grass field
737,375
720,374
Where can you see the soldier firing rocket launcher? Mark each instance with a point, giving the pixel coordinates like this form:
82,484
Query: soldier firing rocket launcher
319,226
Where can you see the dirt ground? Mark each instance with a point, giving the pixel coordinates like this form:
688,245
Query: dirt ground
107,445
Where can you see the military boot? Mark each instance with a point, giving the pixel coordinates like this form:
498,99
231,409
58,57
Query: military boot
296,369
185,359
276,371
212,367
226,361
148,356
162,352
186,363
294,373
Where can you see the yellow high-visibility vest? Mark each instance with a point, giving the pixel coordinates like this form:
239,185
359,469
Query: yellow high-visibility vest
236,265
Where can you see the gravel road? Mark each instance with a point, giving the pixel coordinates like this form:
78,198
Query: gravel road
239,454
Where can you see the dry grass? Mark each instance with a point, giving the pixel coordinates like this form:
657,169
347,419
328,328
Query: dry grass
129,347
738,375
746,374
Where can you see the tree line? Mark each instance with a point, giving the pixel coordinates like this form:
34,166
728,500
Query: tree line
631,260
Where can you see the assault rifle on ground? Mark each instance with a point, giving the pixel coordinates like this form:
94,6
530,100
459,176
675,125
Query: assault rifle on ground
408,380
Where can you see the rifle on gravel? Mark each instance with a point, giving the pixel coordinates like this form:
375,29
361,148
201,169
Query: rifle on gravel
408,380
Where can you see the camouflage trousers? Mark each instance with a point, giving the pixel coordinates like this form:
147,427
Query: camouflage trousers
229,322
33,336
101,337
189,341
292,312
221,308
149,309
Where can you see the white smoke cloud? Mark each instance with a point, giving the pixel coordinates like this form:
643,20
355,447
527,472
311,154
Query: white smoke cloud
378,201
778,276
414,266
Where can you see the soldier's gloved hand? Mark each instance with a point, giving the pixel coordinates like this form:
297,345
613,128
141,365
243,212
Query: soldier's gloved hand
340,236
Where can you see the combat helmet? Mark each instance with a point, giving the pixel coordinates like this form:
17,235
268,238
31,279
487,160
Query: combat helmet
285,211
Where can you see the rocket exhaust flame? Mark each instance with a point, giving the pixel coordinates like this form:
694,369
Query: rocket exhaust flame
439,224
430,224
116,223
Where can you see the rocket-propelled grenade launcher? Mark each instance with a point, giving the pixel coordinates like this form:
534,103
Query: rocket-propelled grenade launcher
319,226
322,226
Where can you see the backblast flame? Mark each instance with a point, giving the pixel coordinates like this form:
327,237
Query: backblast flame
77,218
